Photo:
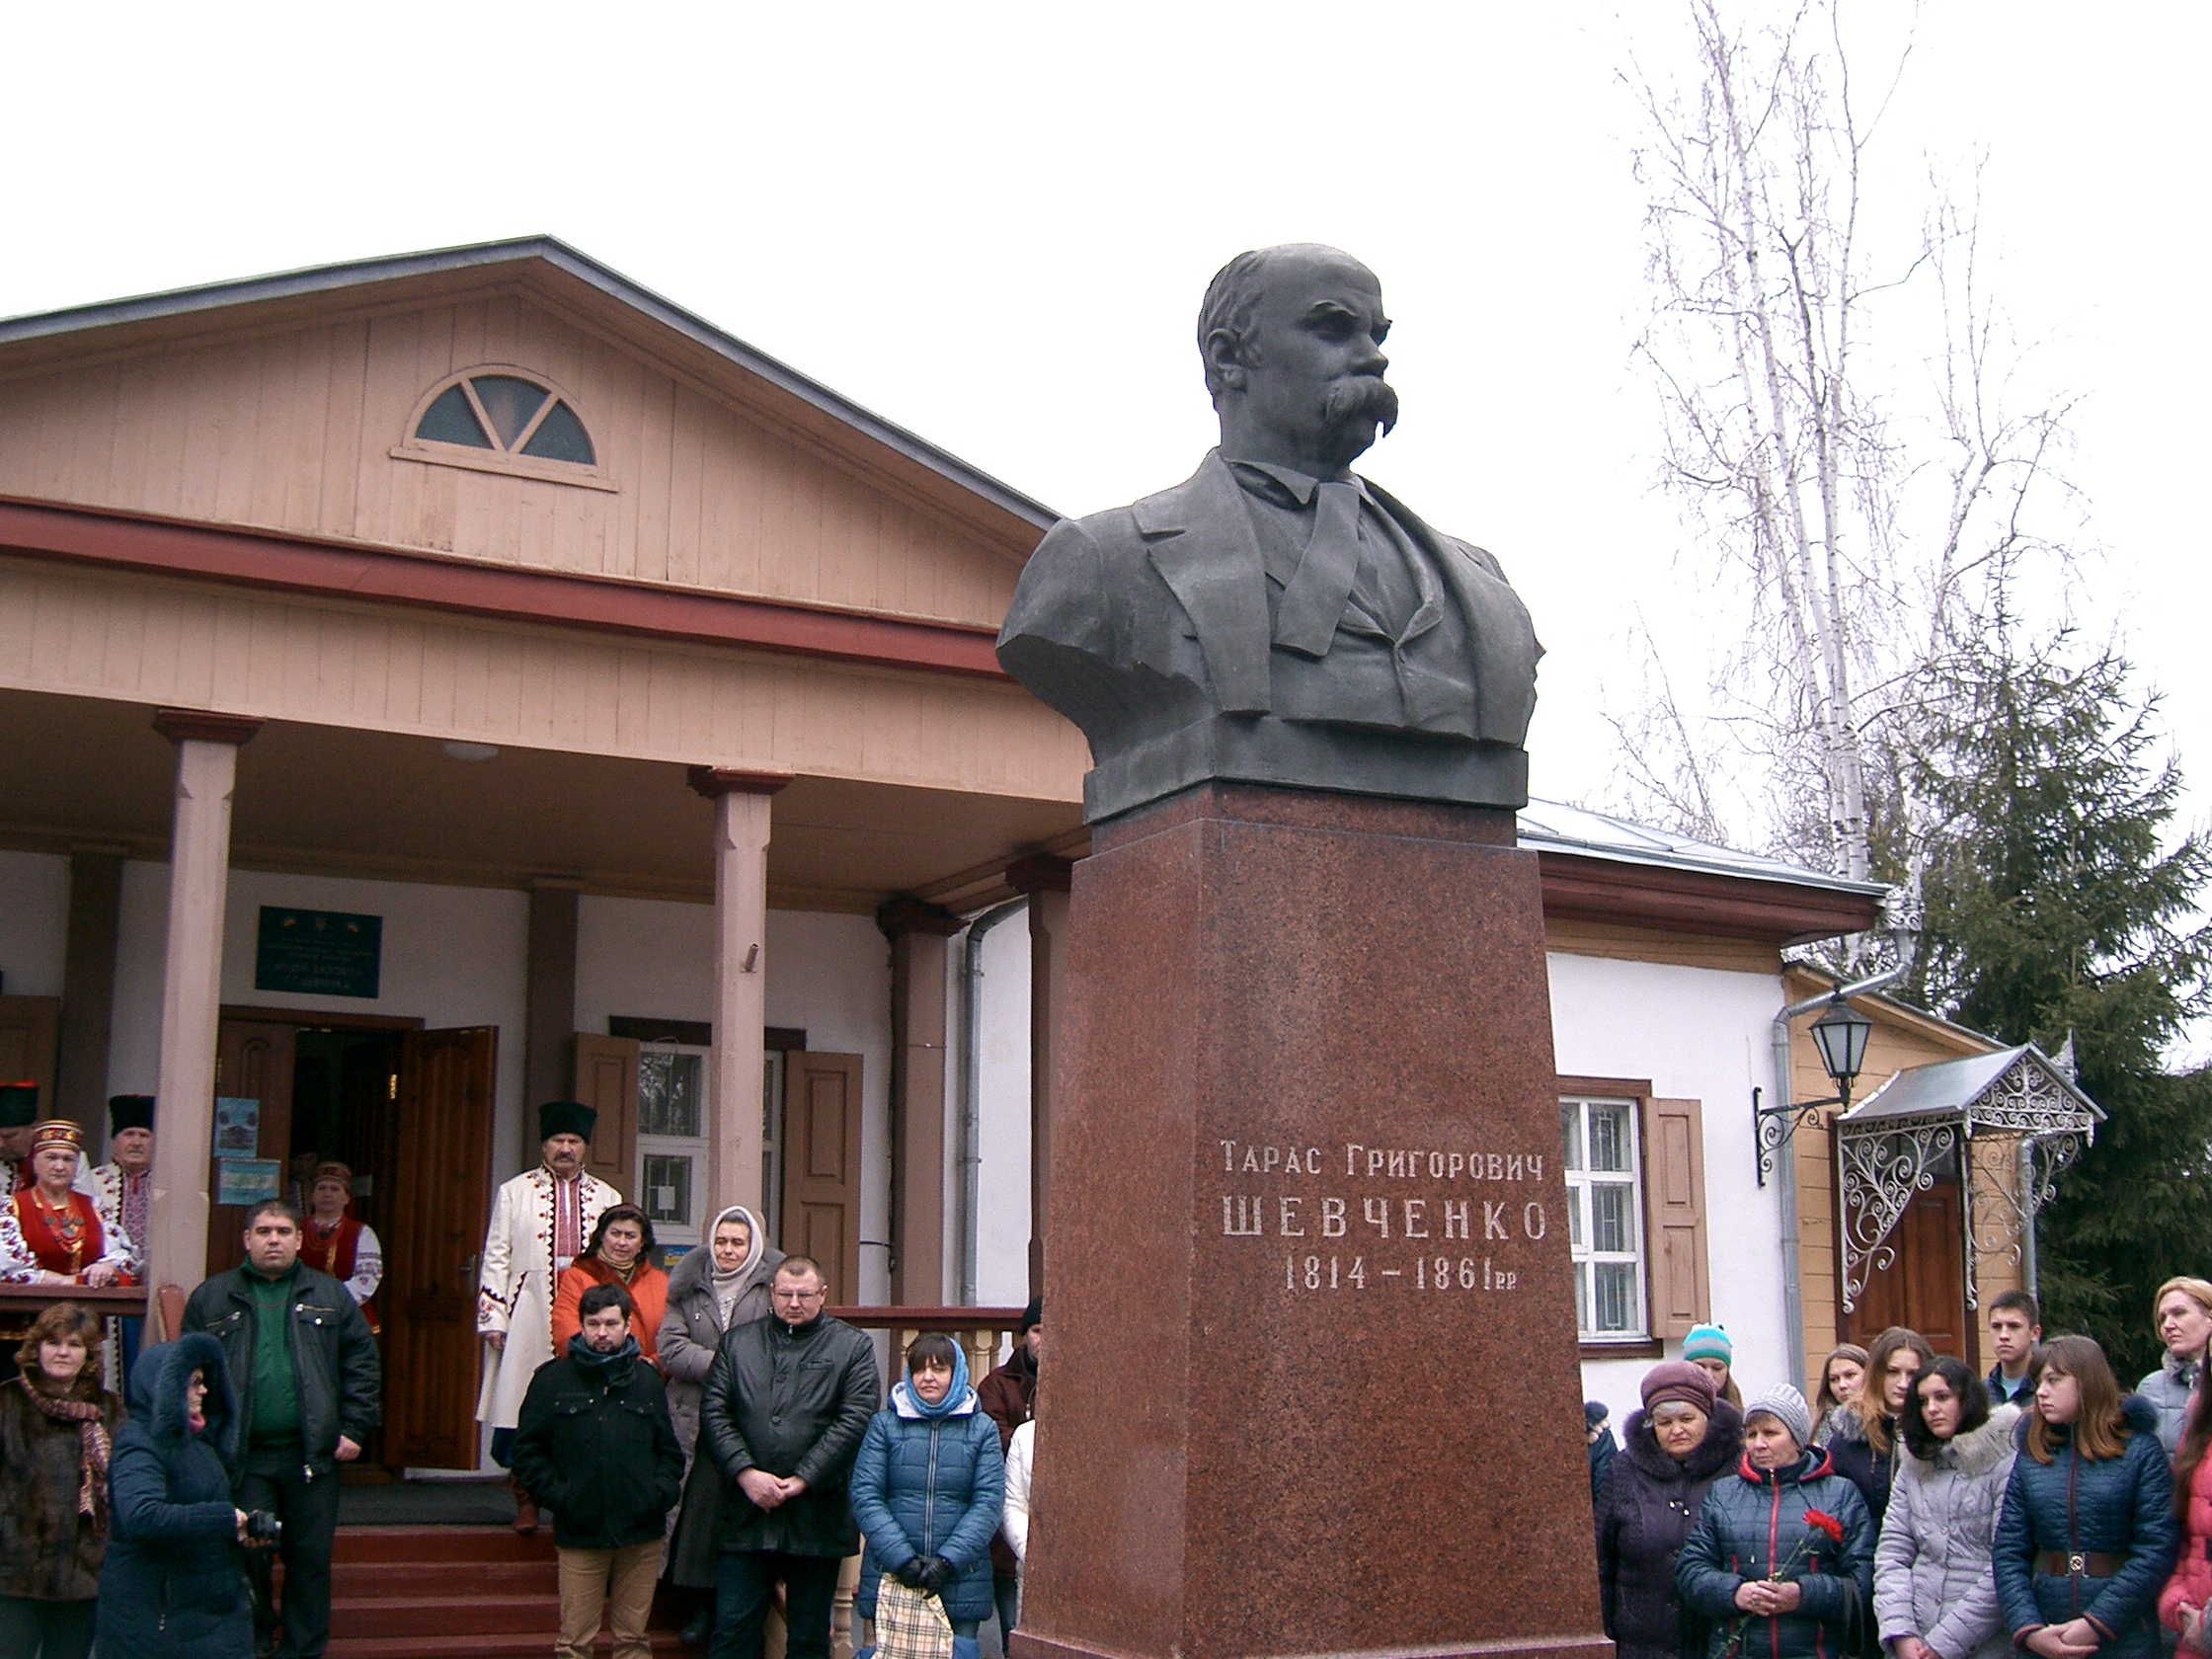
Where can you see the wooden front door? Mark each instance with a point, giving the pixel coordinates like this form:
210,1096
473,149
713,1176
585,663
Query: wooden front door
1924,1288
438,1200
822,1166
254,1062
29,1029
606,1081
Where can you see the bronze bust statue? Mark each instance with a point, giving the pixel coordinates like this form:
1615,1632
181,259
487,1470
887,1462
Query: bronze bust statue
1276,618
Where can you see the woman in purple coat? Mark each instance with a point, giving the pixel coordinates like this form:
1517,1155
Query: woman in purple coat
1677,1445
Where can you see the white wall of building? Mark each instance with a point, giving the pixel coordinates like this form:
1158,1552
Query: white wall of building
1002,1177
829,975
452,956
1699,1034
34,922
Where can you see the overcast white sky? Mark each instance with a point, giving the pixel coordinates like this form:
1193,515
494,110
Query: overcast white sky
992,224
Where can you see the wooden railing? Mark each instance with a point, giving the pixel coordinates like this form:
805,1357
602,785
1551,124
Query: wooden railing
123,1301
982,1331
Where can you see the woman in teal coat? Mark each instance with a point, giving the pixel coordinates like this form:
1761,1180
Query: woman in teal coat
1781,1559
929,1486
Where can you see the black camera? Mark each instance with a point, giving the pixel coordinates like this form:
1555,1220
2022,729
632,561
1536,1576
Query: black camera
263,1527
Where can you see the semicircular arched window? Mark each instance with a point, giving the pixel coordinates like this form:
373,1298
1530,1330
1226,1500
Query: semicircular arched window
504,419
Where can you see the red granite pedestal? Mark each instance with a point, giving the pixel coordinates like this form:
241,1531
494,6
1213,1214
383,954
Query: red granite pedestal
1311,1382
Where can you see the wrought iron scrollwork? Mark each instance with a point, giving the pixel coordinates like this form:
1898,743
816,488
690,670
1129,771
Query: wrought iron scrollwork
1777,1123
2003,1196
1877,1176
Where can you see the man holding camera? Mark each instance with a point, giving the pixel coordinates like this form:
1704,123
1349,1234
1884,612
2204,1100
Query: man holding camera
304,1367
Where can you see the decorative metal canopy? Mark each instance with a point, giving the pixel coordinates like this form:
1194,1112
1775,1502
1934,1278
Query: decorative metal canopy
2002,1124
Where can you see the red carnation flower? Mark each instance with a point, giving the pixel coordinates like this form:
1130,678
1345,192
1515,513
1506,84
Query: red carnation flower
1826,1523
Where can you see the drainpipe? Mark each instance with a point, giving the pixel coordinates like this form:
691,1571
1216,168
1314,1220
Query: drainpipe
1786,1158
2028,1208
970,1092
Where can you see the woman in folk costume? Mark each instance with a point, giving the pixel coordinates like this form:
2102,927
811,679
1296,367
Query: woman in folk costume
50,1233
336,1241
541,1222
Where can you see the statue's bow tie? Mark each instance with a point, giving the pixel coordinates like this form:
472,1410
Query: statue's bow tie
1313,600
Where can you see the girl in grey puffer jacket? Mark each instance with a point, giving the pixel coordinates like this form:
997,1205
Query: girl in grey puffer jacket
1933,1581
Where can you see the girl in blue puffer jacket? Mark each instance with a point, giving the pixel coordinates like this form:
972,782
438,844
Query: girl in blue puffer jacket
929,1485
2088,1534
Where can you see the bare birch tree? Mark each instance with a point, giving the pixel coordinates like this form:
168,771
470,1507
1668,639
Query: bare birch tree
1863,540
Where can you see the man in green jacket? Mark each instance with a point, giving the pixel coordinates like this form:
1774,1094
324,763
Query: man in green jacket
303,1363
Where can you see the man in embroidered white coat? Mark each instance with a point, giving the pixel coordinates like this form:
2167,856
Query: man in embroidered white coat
540,1223
123,1187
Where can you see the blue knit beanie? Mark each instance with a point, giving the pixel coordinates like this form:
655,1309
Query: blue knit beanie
1708,1342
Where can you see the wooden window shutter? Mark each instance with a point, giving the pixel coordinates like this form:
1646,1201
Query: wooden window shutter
1674,1215
606,1079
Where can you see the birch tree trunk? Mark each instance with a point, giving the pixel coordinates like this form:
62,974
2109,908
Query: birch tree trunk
1865,554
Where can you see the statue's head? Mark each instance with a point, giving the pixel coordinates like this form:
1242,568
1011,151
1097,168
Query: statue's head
1292,338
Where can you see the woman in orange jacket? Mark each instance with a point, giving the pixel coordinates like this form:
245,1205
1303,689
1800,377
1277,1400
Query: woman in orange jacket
620,1253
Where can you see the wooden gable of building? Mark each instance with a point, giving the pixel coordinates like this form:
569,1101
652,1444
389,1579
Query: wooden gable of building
308,428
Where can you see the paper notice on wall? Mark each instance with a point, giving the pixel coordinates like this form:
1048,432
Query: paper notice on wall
249,1180
237,1127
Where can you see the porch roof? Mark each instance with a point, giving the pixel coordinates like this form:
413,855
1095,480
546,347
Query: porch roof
2018,1091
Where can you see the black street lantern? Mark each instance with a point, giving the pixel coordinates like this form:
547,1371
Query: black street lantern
1841,1036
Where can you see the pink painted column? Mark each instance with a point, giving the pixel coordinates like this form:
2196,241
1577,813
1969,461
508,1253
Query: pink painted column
208,746
741,930
1043,880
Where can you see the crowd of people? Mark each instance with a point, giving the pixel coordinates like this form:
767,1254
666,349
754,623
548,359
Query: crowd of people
715,1428
712,1426
1914,1508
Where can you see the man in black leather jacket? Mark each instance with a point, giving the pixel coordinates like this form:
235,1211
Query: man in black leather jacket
784,1408
304,1365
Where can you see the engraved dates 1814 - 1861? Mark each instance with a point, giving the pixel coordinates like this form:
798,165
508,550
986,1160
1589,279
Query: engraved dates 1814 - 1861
1390,1231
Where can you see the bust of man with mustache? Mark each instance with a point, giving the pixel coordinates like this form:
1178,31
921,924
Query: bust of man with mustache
1276,618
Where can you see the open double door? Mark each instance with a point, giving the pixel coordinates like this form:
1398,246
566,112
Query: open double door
417,1123
425,1149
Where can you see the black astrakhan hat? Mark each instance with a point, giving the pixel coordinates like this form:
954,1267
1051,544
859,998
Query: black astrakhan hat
129,1111
19,1105
565,1117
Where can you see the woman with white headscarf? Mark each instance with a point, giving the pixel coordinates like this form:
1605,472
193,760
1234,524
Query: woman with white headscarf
712,1290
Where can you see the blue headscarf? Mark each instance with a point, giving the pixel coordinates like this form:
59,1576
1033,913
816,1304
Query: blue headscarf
954,1395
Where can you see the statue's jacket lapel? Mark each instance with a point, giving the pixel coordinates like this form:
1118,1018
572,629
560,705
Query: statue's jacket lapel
1503,639
1201,540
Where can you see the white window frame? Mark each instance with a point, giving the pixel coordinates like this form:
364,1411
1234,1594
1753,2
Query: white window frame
1582,1220
678,1145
